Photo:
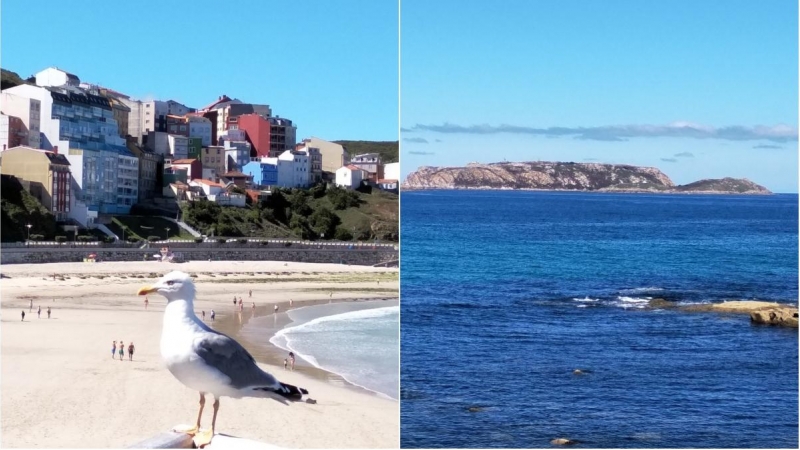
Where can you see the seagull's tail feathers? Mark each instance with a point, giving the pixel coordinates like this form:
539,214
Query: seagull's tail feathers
283,392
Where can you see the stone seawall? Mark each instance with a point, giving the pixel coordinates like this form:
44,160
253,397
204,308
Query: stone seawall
355,256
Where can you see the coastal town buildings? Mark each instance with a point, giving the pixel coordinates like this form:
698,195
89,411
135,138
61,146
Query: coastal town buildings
81,126
217,193
12,132
391,171
193,167
150,164
28,110
370,163
299,168
178,147
237,154
315,160
213,161
350,176
333,155
44,174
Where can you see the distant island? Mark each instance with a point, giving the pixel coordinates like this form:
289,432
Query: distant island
569,176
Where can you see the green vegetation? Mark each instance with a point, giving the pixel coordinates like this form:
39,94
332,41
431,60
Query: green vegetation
9,79
142,228
316,213
19,208
387,149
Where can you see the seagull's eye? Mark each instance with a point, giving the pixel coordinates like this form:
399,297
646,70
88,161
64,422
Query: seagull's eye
170,283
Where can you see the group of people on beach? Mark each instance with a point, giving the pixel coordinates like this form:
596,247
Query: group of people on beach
38,311
121,350
213,315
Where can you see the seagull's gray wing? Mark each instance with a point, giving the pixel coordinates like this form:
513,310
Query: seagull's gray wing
229,357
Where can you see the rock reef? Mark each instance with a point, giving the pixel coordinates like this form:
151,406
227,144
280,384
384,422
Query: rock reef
569,176
768,313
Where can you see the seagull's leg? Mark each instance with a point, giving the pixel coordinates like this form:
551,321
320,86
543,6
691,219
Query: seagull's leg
203,438
194,430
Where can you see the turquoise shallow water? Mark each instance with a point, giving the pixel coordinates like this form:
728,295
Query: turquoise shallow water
505,293
358,341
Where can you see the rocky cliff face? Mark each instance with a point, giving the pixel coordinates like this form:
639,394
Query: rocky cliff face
536,175
567,176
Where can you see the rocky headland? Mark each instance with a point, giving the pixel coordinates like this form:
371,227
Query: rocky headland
569,176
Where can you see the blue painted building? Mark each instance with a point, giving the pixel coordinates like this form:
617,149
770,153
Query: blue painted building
263,173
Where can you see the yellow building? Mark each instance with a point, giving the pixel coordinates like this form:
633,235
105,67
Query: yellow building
45,174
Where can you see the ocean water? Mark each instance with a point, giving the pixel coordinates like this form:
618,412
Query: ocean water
505,293
358,341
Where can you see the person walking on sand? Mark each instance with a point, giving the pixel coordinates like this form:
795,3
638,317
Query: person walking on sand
249,293
146,302
121,351
276,309
291,360
39,311
23,316
254,306
291,302
285,363
204,315
114,350
131,348
31,308
48,312
234,300
213,315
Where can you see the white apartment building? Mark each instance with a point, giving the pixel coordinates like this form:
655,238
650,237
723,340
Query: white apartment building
55,77
350,176
178,146
391,171
315,159
300,168
25,104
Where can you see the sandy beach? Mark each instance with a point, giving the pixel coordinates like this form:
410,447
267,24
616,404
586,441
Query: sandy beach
60,387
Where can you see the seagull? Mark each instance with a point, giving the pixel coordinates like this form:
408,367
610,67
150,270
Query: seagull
206,360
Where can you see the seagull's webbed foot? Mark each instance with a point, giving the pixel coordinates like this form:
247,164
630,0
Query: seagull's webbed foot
203,438
191,431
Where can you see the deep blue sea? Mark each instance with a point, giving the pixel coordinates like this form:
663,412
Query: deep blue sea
505,293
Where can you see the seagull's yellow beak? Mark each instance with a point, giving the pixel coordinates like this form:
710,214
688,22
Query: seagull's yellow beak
147,290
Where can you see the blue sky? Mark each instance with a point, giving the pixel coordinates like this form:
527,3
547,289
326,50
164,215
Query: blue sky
330,66
698,89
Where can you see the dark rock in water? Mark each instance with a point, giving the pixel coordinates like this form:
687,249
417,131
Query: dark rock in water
475,409
660,303
786,317
563,441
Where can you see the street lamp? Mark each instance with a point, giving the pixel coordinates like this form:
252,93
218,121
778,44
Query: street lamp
29,231
167,230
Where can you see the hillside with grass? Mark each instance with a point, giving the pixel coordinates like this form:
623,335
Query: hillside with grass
316,213
9,79
387,149
19,208
142,228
